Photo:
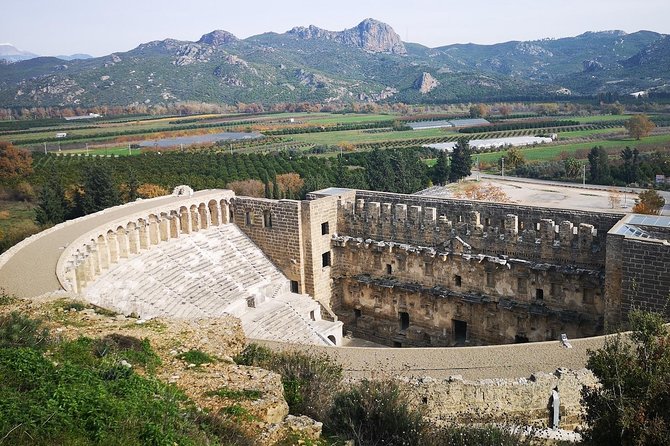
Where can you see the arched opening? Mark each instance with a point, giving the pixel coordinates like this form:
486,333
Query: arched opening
174,224
103,252
154,236
225,212
133,238
113,247
164,227
332,339
195,225
143,233
202,213
214,213
184,220
122,240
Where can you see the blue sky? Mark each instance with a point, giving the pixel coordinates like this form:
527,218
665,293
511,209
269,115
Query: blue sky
49,27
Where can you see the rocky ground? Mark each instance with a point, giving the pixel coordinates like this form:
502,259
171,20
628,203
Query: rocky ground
220,338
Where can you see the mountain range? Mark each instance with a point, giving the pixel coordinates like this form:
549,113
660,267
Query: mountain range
368,62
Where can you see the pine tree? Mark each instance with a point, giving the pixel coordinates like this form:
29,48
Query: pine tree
441,170
599,167
100,191
52,206
461,160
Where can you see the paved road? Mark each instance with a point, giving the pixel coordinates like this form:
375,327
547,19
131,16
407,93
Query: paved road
32,270
633,190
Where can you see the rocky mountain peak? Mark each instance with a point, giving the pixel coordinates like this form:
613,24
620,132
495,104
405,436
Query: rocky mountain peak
217,38
375,36
370,35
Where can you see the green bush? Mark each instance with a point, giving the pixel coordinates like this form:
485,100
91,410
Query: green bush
373,413
632,405
309,381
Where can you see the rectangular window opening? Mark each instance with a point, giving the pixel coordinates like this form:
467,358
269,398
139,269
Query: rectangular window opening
325,259
457,280
295,288
267,219
247,218
357,313
325,229
389,269
539,294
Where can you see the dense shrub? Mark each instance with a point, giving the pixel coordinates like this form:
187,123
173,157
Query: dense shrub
309,381
375,413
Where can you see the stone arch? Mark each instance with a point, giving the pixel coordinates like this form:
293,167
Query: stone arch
202,213
164,227
133,237
174,224
184,220
214,212
113,246
103,251
154,236
92,258
143,232
122,240
195,216
225,212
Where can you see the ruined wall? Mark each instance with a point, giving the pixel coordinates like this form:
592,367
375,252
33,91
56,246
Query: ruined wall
425,271
524,401
275,226
404,295
645,283
531,233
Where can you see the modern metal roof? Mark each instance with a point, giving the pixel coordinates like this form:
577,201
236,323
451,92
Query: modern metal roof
650,220
632,231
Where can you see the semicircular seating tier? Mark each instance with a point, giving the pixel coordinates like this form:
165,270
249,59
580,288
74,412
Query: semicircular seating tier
212,272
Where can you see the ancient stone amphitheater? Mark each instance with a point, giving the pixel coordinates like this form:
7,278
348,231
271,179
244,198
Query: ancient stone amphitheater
398,270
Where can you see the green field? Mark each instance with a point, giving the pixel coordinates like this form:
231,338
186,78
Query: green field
551,152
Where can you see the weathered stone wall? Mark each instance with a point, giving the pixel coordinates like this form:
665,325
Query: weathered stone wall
524,401
405,295
645,281
276,227
532,233
319,223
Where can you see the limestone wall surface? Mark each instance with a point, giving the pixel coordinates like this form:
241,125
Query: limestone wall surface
275,226
524,401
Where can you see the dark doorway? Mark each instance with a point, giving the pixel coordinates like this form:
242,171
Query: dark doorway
397,344
539,294
404,320
460,332
294,287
